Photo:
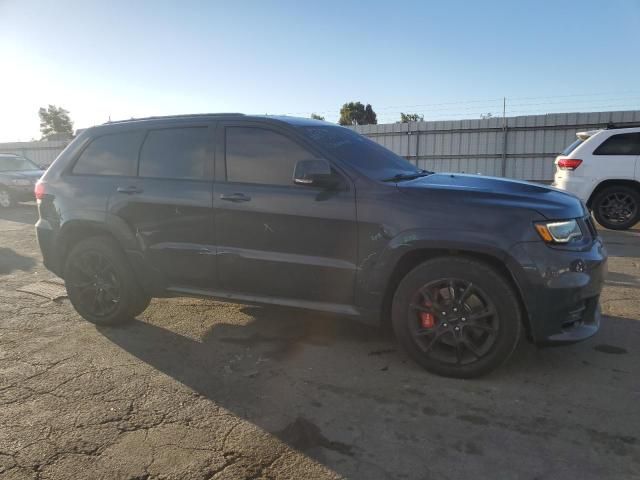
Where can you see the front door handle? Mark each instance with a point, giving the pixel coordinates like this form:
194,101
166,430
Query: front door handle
129,189
235,197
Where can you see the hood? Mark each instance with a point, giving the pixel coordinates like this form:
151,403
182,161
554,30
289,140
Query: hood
33,175
492,191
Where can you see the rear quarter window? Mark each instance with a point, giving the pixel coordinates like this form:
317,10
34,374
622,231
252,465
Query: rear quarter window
621,144
112,154
572,147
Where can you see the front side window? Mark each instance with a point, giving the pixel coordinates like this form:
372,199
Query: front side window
622,144
257,155
363,154
179,153
113,154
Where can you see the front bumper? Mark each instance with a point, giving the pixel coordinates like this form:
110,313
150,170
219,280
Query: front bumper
561,290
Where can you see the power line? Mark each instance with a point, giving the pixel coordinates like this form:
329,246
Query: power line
488,103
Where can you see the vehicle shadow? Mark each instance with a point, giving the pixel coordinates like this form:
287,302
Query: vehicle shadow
291,373
27,214
11,261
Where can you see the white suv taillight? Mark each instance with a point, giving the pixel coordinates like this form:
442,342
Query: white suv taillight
39,190
568,163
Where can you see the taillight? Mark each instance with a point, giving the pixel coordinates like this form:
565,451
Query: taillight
569,163
39,190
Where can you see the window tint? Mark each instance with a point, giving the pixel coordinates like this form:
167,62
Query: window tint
256,155
622,144
175,153
114,154
572,147
372,159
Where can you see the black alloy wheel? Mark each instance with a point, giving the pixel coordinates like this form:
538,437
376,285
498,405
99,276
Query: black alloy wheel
453,321
457,316
617,209
96,280
101,284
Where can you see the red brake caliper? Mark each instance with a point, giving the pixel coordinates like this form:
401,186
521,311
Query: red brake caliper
426,318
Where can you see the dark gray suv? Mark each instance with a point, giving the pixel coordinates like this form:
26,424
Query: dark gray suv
302,213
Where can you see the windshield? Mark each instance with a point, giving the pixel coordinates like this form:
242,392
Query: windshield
363,154
11,163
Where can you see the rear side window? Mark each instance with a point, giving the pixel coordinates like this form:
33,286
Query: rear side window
114,154
622,144
572,147
175,153
257,155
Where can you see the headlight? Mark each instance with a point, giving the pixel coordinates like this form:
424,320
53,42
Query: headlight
21,182
559,232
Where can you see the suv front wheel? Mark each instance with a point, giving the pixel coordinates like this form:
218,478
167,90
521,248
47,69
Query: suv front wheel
617,207
100,283
456,317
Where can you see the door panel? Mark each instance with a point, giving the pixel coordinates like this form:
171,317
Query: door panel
172,221
172,218
284,240
287,242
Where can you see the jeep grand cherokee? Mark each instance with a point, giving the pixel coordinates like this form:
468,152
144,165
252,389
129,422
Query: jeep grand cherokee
303,213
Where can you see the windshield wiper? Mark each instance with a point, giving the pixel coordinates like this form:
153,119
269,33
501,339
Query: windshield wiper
408,176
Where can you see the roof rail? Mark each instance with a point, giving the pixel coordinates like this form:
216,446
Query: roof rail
612,126
187,115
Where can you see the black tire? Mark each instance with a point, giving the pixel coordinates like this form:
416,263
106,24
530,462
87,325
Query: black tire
617,207
100,283
432,341
6,199
142,302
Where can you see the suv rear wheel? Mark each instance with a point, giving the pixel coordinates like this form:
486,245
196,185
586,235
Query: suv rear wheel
456,317
100,283
617,207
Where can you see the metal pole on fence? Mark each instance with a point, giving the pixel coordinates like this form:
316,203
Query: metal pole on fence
417,143
504,136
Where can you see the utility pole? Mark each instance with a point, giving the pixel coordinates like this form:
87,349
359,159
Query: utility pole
504,136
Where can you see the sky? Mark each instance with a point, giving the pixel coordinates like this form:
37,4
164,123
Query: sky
443,59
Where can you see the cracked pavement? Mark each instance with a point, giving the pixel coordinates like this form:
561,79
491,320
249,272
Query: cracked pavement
207,390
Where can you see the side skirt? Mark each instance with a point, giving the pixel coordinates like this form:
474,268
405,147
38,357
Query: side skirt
335,308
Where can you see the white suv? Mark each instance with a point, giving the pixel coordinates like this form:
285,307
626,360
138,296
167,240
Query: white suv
602,167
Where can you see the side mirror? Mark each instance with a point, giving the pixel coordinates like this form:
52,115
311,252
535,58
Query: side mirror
314,172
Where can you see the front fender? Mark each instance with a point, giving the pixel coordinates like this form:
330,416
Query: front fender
378,271
437,240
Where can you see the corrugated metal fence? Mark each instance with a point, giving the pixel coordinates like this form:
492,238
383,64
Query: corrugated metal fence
520,147
470,146
42,153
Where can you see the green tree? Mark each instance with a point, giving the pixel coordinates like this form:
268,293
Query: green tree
370,117
54,120
355,113
315,116
411,117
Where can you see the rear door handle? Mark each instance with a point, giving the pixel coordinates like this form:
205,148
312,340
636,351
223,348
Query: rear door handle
129,189
235,197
